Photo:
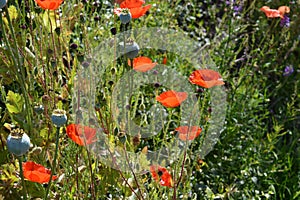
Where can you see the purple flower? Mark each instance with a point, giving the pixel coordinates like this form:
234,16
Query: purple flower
288,70
229,2
237,9
285,22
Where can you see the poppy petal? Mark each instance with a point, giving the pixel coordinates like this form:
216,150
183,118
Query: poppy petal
36,173
165,60
171,98
131,3
188,133
206,78
283,10
75,132
49,4
270,13
138,12
165,179
142,64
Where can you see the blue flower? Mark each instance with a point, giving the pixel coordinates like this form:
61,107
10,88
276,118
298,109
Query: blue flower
18,142
288,70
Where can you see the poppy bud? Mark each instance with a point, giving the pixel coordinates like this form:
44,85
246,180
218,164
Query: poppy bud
45,98
85,64
136,140
18,142
125,16
113,31
59,117
131,49
73,46
3,3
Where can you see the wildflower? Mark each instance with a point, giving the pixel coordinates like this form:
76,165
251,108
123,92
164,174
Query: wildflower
270,13
188,133
59,117
288,70
37,173
206,78
3,3
49,4
81,135
285,22
237,9
161,175
142,64
171,98
136,7
283,10
18,142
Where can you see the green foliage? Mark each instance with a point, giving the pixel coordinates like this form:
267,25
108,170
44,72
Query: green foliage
258,153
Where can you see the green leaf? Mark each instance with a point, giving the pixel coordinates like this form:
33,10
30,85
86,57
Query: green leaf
14,103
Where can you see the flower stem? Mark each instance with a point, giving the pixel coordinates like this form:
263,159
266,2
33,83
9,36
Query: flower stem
22,177
53,163
18,68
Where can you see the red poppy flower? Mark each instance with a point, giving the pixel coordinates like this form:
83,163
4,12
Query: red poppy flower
188,133
161,175
135,7
132,3
206,78
270,13
36,173
74,131
142,64
49,4
171,98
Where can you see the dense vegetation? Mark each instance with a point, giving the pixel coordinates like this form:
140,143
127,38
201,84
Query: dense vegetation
72,60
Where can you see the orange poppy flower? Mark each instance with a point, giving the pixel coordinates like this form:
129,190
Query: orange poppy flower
171,98
206,78
188,133
135,7
161,175
271,13
131,3
74,131
142,64
49,4
283,10
36,173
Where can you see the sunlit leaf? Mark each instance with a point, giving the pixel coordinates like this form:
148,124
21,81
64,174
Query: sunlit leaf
14,103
